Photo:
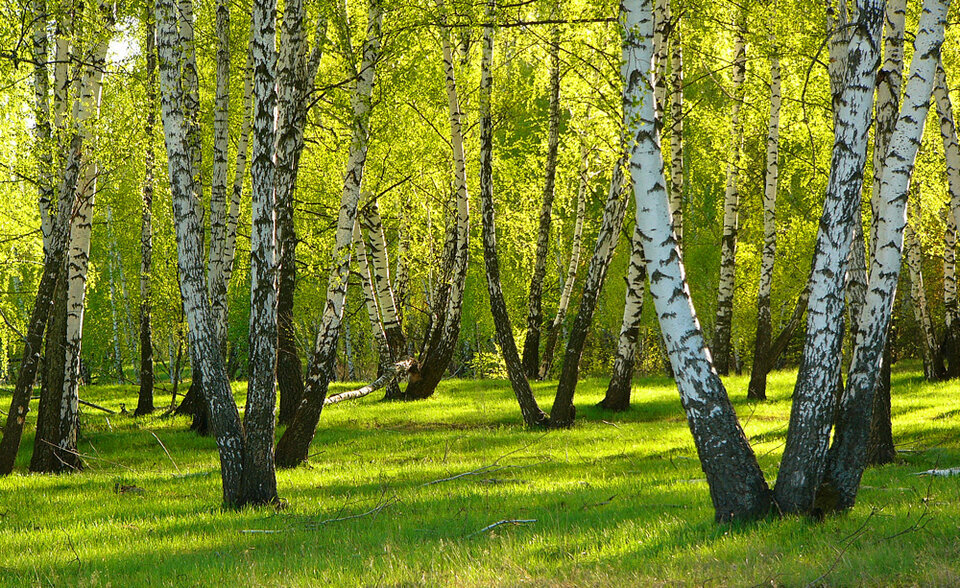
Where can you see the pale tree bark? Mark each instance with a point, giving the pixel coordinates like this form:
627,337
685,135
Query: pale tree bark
443,340
43,135
532,415
932,366
531,342
737,486
293,446
296,73
948,347
546,363
562,413
55,445
812,413
661,51
757,390
951,151
889,82
218,177
224,416
370,299
848,452
731,208
618,390
676,129
259,483
145,396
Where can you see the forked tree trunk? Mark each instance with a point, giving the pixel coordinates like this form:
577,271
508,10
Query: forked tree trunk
847,457
618,391
546,363
224,417
293,447
529,409
757,390
145,396
259,482
55,445
433,362
562,413
951,150
731,206
296,73
531,342
737,487
812,413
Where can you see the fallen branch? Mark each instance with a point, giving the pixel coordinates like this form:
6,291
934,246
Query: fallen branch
164,447
941,473
373,511
503,522
96,406
846,542
389,375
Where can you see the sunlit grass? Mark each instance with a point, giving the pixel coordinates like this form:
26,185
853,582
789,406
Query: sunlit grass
619,499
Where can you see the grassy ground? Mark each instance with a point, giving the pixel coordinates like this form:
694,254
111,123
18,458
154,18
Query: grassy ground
618,500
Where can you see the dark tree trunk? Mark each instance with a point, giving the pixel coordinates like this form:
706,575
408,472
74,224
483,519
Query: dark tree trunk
562,414
531,342
764,364
145,396
880,448
46,454
52,265
621,381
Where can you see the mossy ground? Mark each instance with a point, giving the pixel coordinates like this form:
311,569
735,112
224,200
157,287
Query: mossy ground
617,500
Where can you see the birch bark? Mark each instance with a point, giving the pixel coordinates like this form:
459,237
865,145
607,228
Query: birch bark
731,208
293,446
737,487
951,151
932,367
848,451
531,342
757,389
812,413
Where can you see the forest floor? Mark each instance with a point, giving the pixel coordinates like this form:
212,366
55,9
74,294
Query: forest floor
408,494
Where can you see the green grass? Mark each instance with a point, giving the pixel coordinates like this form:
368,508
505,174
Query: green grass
618,500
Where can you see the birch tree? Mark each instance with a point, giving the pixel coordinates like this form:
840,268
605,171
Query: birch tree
731,207
812,413
621,380
761,362
293,446
932,366
531,342
848,451
951,151
737,486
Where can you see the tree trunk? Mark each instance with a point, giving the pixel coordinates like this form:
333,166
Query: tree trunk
951,150
205,344
531,342
259,483
812,413
562,413
676,129
848,451
737,487
757,389
529,409
933,369
433,363
880,448
571,277
218,179
296,73
731,207
293,447
618,391
145,397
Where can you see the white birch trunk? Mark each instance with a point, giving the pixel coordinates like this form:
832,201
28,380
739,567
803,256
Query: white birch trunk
951,151
218,178
737,487
225,418
848,453
676,130
811,415
731,207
